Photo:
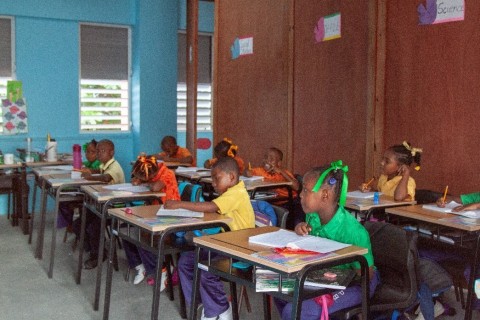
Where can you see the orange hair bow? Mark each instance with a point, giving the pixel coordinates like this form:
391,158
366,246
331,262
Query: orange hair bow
232,148
144,167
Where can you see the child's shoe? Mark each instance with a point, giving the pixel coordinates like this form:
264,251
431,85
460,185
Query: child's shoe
140,274
151,280
438,310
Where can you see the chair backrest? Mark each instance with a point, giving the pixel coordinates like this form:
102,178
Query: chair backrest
190,192
264,213
395,255
423,196
282,215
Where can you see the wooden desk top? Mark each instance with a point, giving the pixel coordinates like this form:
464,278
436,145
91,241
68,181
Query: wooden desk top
236,243
57,180
141,215
47,164
367,204
100,194
11,166
417,212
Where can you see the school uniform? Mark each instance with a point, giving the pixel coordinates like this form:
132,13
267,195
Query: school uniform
180,154
235,204
274,177
388,187
344,228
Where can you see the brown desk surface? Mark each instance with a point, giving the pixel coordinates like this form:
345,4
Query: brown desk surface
367,204
236,243
150,212
100,194
417,212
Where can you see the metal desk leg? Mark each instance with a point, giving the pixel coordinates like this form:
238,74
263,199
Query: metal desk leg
196,286
101,247
108,285
34,200
267,307
81,245
233,294
54,232
43,213
158,275
471,283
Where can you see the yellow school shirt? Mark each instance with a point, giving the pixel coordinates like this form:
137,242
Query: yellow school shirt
235,204
388,187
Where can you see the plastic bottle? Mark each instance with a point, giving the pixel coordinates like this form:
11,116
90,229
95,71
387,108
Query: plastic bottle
77,156
376,198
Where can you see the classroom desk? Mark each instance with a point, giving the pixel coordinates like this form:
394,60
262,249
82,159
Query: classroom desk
56,186
366,206
153,237
193,176
40,169
97,199
235,246
438,219
170,164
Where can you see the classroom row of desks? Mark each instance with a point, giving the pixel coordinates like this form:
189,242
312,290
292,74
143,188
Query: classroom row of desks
233,245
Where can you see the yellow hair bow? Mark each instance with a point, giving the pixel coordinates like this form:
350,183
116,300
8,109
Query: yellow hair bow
414,151
232,148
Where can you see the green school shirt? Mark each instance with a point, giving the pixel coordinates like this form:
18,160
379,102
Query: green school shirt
343,228
92,165
470,198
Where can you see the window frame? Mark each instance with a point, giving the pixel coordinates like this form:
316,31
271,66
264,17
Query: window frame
13,65
201,90
129,80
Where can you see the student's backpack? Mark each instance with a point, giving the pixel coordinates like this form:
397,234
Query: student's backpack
264,213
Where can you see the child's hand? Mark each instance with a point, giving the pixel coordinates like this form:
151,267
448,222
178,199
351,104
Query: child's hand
136,181
365,187
302,229
171,204
404,170
440,203
472,206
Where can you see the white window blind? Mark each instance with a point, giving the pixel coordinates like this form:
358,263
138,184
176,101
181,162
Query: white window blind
104,83
204,88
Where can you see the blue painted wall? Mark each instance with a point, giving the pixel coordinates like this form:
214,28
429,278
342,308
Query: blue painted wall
47,56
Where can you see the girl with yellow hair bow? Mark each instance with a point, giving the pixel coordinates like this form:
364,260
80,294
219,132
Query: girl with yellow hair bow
225,148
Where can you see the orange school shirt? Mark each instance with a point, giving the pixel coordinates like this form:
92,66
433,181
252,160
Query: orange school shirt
241,164
181,153
274,177
168,178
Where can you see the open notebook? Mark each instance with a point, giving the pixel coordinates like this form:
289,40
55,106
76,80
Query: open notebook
179,213
284,238
474,214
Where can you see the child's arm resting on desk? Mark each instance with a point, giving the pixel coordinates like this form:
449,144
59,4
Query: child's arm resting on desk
193,206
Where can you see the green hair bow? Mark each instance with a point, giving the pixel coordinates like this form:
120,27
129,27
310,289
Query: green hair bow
336,165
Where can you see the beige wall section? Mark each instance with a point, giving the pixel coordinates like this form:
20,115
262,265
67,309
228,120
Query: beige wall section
433,94
251,92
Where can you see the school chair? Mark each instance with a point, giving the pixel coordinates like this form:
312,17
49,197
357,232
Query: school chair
6,187
395,255
281,215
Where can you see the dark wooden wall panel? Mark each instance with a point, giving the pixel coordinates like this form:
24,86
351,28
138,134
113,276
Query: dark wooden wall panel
251,93
330,88
433,94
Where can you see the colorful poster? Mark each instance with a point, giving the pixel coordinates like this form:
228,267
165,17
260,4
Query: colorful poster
328,28
14,116
14,90
435,11
241,47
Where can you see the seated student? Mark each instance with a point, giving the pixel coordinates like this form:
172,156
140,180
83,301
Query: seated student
272,170
395,180
158,178
225,148
65,215
171,152
110,172
233,202
323,195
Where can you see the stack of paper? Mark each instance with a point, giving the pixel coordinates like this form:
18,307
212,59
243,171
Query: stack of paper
127,187
190,169
361,195
474,214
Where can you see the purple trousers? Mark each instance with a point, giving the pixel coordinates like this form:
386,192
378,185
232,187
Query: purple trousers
212,294
346,298
136,256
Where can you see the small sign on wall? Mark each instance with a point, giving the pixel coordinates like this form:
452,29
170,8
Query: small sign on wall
328,28
441,11
241,47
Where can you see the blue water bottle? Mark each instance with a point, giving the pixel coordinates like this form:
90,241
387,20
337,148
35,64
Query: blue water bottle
376,197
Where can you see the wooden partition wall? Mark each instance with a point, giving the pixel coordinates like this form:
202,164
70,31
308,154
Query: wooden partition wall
386,80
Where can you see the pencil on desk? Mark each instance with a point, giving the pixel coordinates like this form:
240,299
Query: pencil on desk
249,166
445,194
